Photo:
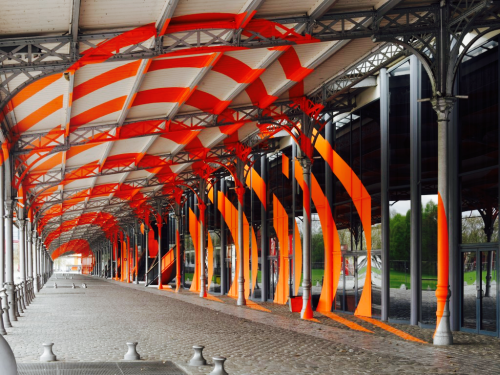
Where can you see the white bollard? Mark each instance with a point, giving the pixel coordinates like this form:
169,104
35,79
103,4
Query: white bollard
198,359
48,355
55,285
132,354
219,366
8,365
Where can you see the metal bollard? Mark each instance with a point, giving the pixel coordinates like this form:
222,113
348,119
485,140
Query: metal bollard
8,364
2,327
198,359
23,294
18,300
55,285
219,366
48,355
5,307
132,354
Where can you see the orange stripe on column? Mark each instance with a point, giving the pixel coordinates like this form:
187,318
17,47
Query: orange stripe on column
194,230
443,260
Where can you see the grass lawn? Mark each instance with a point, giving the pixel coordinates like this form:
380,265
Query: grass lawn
396,278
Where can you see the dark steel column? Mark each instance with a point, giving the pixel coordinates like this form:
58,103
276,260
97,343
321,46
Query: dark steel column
223,243
415,190
454,217
9,256
2,227
384,189
202,208
263,231
159,224
146,254
240,192
306,312
136,250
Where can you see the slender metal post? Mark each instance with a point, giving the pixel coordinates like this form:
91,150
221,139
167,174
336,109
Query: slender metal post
2,227
384,196
415,190
146,254
240,192
159,224
136,249
306,312
21,224
443,335
177,212
223,242
29,234
263,231
202,208
454,217
9,258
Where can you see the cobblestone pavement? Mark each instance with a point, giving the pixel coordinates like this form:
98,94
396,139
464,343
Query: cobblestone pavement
93,324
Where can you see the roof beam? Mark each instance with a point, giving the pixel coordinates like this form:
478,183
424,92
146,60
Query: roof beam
18,52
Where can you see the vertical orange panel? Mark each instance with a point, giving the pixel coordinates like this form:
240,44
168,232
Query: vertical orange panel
285,165
362,202
280,223
194,230
210,260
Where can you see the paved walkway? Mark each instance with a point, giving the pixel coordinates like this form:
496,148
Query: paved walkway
93,324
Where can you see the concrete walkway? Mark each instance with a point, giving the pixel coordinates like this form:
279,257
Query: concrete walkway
93,324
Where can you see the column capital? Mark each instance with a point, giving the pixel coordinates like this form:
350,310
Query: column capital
9,208
443,106
305,163
21,223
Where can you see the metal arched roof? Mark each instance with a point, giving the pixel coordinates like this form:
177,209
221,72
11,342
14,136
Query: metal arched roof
107,104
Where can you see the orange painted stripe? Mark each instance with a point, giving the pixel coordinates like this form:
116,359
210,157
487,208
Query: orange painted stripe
38,115
345,322
98,111
161,95
236,69
105,79
33,89
213,298
392,330
182,62
256,306
292,67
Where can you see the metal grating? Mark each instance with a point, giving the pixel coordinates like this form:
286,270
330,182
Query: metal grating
102,368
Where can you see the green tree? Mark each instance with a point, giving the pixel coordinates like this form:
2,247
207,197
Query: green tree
399,237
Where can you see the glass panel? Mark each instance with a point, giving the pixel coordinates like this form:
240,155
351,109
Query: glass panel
214,283
318,255
469,308
376,284
399,255
488,291
339,295
350,283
